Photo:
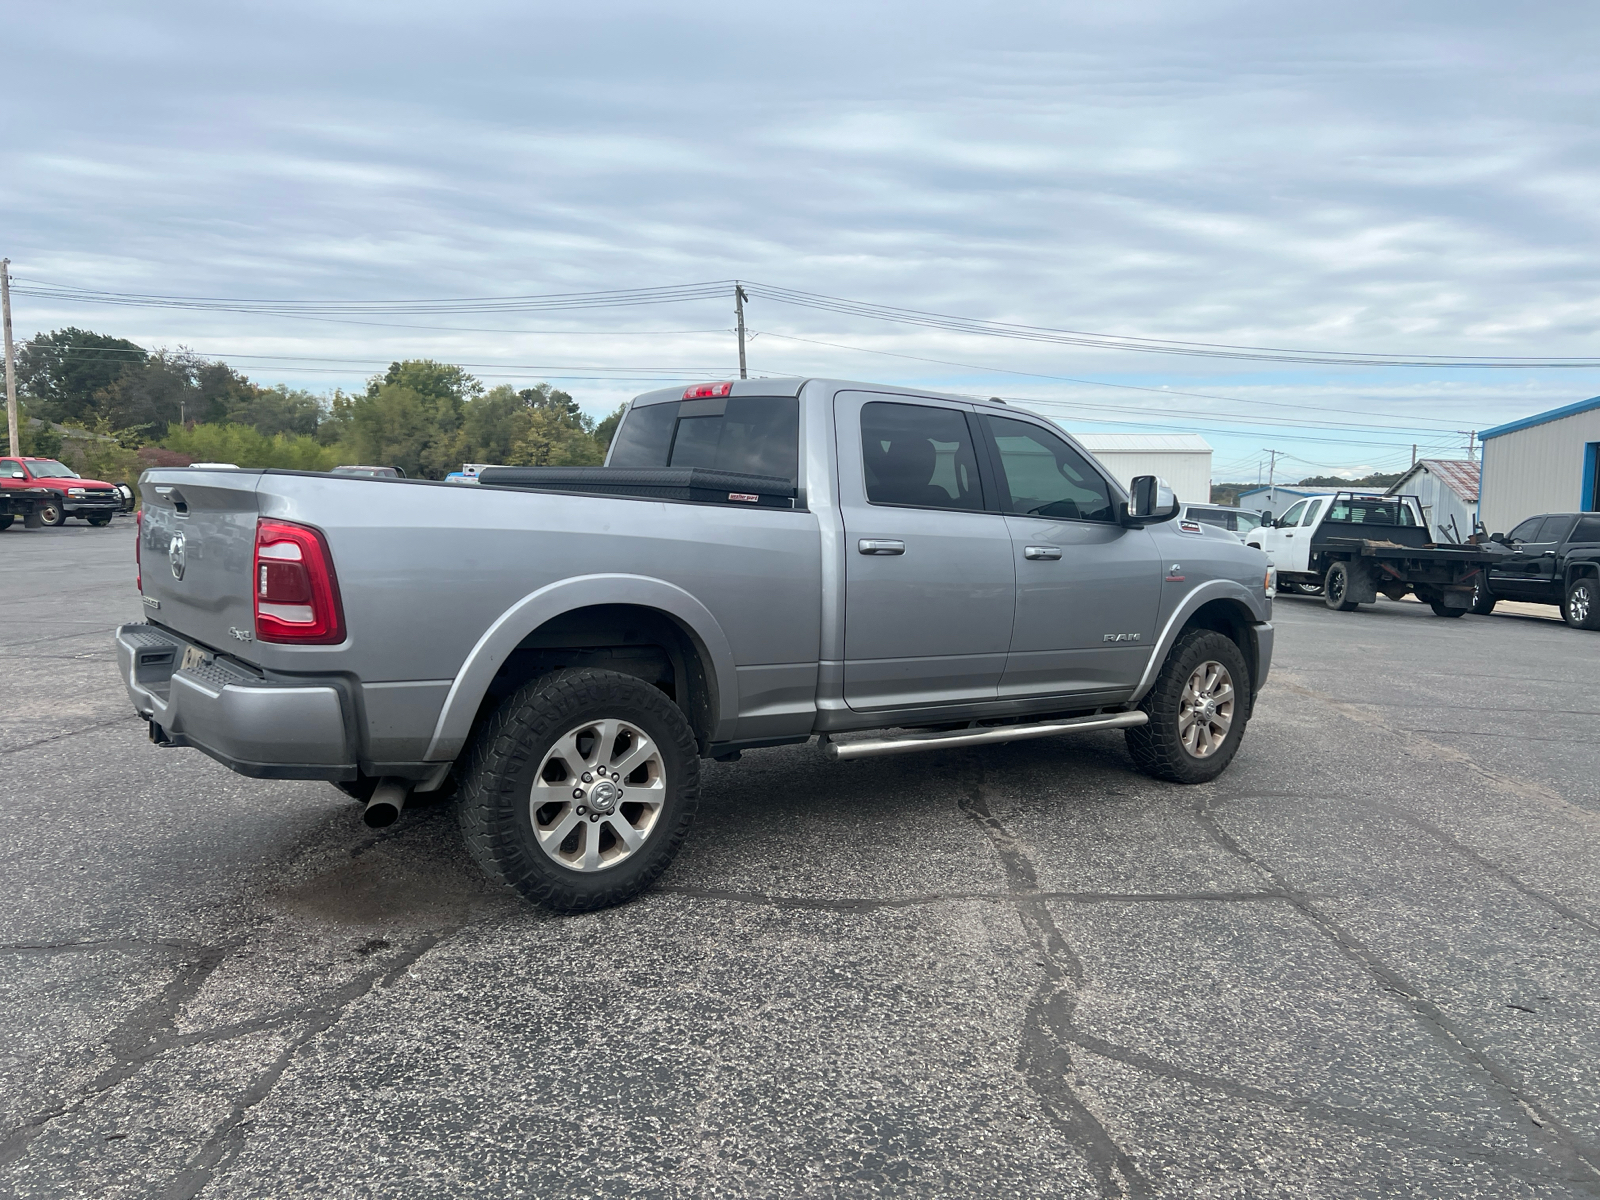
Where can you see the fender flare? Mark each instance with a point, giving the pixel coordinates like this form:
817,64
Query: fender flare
582,591
1212,589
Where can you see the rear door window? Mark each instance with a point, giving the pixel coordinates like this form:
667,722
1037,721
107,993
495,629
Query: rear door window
918,455
1588,530
1311,514
1043,476
750,435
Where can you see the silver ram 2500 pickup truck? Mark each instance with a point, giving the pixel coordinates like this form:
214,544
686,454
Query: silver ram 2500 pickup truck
758,563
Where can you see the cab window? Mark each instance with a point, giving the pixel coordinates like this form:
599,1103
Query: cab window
1553,529
1588,530
749,435
12,469
1043,476
1311,513
1292,517
1210,516
1525,531
920,456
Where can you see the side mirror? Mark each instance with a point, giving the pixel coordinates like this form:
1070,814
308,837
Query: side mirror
1497,537
1153,501
1266,520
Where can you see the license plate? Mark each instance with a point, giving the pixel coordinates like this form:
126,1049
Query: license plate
193,657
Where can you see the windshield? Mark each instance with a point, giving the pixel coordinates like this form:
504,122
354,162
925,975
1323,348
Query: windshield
49,468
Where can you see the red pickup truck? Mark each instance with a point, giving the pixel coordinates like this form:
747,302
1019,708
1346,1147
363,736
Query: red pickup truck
70,494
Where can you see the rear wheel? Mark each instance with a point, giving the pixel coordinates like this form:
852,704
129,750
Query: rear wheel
1440,609
5,522
1482,599
1198,709
1582,607
1336,588
580,789
53,514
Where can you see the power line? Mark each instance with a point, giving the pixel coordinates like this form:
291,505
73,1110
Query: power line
684,293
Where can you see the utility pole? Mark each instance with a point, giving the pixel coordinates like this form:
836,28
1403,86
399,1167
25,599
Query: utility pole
11,365
1472,438
738,307
1413,454
1272,467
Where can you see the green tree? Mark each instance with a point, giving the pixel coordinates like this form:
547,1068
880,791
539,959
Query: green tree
606,430
244,446
66,369
394,426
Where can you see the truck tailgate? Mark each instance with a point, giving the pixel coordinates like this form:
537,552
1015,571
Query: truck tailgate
195,550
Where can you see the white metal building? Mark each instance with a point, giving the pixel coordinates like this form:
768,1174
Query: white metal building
1544,463
1278,497
1182,459
1448,490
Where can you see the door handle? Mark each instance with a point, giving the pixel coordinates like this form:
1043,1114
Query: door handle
880,546
1050,552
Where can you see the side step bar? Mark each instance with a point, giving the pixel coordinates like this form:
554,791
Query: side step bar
911,742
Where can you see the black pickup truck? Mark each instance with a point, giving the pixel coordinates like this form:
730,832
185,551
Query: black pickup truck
1553,558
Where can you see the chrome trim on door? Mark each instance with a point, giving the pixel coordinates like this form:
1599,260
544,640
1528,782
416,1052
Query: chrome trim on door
880,546
1049,552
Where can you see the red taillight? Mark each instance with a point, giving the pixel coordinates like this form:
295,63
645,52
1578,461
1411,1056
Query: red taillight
138,537
296,594
707,391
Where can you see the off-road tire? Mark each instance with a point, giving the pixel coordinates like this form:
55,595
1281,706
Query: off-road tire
1587,590
53,514
99,522
1157,747
1307,589
1483,600
1440,609
494,803
1336,586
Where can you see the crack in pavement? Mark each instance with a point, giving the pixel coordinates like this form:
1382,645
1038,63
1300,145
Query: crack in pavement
56,737
1581,1160
138,1039
870,903
1045,1057
220,1150
125,945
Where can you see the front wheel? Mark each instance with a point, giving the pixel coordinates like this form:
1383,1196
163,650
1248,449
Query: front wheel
580,789
1582,607
1336,589
99,522
1198,709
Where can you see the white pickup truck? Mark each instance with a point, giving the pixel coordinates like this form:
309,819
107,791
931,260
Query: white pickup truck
1354,547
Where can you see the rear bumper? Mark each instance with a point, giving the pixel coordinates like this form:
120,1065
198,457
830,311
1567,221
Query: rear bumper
266,728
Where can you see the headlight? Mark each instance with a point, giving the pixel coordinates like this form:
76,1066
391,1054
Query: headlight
75,492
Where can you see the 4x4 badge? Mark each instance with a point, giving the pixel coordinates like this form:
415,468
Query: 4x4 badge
175,556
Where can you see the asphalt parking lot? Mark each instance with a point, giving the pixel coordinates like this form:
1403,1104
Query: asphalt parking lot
1362,963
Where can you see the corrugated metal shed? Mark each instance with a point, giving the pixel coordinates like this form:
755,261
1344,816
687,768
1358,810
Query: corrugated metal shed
1543,463
1448,490
1182,459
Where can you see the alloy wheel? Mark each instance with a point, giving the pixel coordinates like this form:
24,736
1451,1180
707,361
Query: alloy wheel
597,795
1578,603
1205,712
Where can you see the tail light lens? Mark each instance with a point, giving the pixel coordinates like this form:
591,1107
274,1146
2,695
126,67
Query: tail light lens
703,391
296,593
138,542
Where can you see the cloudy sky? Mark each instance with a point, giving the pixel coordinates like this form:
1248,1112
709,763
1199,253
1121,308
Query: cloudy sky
1404,179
